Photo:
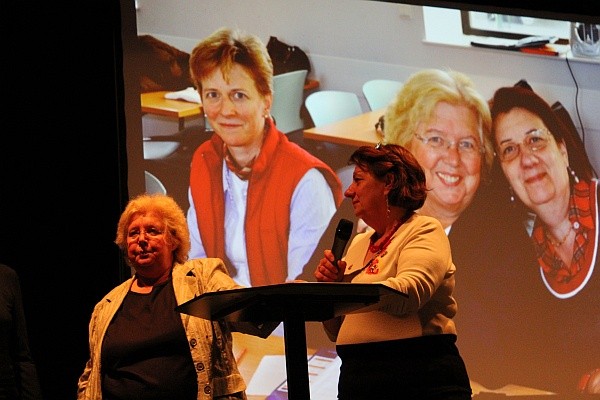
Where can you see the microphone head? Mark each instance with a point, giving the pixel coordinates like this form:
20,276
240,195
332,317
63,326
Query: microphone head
344,229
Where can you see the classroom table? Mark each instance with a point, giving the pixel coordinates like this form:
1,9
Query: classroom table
155,103
354,131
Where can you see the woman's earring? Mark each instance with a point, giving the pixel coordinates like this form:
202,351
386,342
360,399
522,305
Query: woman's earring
387,206
512,194
573,174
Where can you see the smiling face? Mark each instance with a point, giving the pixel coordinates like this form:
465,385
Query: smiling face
235,109
148,249
452,175
538,177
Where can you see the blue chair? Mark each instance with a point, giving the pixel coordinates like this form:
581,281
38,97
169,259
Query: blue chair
153,184
159,149
380,92
327,106
288,95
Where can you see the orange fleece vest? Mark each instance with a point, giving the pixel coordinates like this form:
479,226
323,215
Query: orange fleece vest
275,174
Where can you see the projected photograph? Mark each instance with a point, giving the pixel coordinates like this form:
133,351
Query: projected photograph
258,153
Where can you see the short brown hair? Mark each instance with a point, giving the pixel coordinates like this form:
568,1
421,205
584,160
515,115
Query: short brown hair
409,189
226,47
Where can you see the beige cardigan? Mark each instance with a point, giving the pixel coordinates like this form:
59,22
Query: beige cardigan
417,262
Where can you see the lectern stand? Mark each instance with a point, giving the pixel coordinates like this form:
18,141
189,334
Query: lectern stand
293,303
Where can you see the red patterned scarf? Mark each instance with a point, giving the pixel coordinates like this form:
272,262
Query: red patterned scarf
242,172
582,220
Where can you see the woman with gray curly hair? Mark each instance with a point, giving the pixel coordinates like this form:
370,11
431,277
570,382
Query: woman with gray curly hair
140,347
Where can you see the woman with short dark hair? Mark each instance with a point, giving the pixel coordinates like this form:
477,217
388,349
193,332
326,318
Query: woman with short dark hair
548,170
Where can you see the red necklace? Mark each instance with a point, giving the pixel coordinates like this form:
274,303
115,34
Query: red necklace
376,249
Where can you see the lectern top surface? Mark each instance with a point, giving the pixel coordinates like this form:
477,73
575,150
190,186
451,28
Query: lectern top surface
311,301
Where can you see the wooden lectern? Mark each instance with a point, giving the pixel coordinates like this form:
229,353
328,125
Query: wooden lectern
293,303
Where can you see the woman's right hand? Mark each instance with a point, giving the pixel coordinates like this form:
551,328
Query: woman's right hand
327,271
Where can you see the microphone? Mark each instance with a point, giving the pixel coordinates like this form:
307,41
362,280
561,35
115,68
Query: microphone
342,235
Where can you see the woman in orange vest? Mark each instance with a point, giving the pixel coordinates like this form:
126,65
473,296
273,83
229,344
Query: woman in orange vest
257,200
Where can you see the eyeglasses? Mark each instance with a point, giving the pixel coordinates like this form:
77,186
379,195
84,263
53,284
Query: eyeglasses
466,146
535,140
150,233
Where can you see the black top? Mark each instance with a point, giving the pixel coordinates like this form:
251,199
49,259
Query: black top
511,329
145,354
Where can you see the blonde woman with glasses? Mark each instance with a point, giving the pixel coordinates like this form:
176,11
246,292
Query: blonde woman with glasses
445,122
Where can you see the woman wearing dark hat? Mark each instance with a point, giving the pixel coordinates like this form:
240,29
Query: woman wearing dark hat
548,170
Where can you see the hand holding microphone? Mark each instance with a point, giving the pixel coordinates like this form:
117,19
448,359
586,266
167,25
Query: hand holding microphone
328,269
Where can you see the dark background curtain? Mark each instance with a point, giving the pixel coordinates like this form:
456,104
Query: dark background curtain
62,172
